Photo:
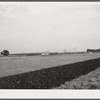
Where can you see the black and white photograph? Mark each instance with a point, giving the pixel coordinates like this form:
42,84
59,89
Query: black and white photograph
50,45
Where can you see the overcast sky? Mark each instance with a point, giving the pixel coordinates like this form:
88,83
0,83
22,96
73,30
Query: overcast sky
49,26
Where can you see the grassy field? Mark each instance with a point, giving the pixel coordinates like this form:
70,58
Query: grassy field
20,64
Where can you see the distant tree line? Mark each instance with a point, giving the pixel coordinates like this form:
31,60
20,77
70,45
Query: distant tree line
93,50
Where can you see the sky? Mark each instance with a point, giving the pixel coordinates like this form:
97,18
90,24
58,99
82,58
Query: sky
28,27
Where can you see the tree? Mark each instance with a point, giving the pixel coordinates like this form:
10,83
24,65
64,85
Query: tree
5,52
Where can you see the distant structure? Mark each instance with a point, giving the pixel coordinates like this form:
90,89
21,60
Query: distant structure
44,53
5,52
93,50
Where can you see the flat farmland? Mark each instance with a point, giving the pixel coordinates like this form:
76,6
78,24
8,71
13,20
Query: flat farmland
20,64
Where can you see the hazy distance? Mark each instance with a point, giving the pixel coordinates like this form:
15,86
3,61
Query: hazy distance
27,27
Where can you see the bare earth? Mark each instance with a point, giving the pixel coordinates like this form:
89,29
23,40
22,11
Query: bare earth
16,65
